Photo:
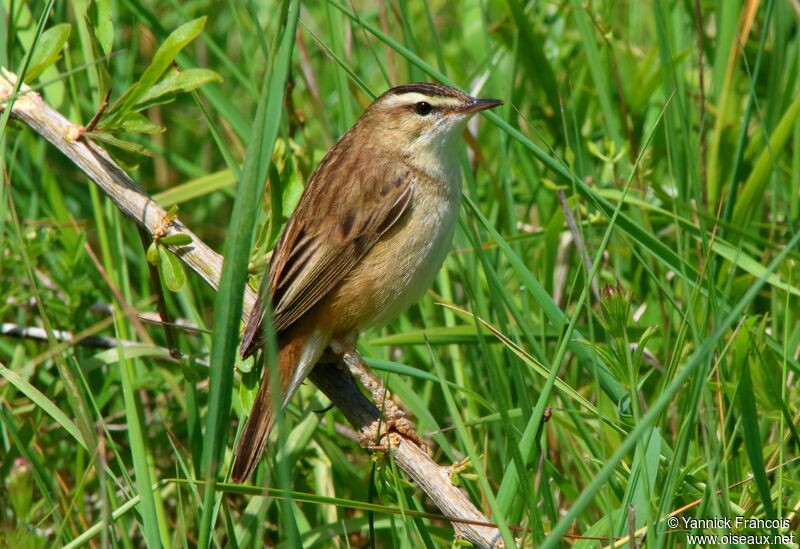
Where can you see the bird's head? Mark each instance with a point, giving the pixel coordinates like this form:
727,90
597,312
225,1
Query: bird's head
421,116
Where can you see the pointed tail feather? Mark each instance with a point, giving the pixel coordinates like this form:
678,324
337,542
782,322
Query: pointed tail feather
297,349
255,435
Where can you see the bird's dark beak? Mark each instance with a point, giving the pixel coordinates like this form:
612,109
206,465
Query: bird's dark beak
474,105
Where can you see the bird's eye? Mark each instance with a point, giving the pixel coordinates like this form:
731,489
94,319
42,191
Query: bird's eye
423,108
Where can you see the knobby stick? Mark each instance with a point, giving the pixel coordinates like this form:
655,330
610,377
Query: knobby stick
469,523
95,162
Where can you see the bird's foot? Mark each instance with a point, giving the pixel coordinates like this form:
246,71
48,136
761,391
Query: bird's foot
393,419
382,434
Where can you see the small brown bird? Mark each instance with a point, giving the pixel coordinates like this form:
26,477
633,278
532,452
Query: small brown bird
366,240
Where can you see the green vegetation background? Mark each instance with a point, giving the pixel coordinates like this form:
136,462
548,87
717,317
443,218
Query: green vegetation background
672,130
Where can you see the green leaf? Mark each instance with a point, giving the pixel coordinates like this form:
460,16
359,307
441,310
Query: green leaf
162,59
98,527
136,122
103,24
122,144
248,388
606,356
171,270
114,355
152,254
439,335
750,196
642,481
291,193
751,435
48,50
177,239
404,370
47,405
176,81
753,267
195,188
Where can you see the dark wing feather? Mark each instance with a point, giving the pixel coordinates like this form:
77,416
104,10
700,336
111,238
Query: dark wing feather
329,232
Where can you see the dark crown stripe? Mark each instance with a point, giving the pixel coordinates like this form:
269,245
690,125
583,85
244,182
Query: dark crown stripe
425,88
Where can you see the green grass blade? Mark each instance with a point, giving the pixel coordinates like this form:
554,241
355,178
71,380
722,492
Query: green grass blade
697,358
752,440
44,403
234,273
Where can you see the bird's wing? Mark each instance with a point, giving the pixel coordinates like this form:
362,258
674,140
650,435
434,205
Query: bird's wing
328,233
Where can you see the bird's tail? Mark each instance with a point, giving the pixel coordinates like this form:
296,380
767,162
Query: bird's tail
294,354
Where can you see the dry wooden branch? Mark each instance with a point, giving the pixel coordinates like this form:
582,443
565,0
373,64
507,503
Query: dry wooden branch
95,162
469,523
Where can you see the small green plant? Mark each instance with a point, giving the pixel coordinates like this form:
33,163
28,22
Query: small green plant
170,267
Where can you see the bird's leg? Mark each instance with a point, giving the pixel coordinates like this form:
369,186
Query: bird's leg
392,417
